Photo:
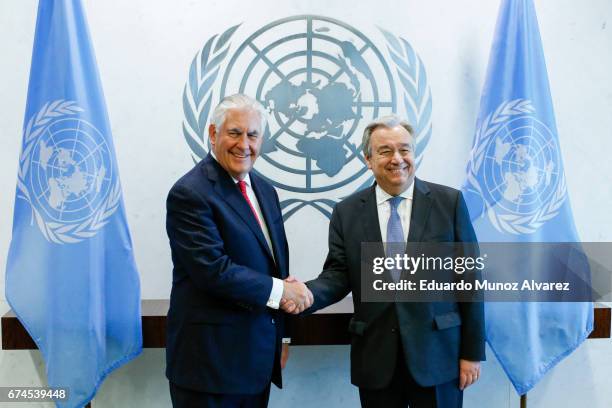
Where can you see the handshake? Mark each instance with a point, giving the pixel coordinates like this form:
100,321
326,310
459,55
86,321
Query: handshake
296,296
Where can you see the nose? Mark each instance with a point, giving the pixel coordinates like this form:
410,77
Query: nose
243,142
397,157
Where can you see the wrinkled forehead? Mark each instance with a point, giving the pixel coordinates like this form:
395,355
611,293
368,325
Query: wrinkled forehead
396,136
243,119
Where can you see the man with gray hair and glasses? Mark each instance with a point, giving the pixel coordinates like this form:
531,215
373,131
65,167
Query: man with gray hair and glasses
402,354
230,257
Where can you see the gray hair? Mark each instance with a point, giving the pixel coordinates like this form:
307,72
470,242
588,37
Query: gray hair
238,101
388,121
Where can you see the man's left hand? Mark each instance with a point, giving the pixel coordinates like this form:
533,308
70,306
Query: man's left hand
469,371
284,355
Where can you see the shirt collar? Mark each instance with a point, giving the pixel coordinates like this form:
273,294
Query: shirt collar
382,196
247,178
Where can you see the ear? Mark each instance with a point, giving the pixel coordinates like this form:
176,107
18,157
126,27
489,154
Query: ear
368,161
212,134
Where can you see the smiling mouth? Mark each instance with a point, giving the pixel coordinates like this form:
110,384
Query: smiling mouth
398,171
240,156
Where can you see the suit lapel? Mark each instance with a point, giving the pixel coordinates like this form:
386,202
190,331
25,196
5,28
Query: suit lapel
229,192
421,207
267,206
371,224
371,230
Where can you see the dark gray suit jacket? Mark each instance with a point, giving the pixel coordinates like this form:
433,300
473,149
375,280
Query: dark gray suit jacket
434,335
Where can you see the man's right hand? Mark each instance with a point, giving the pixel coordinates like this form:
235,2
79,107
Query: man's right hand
296,296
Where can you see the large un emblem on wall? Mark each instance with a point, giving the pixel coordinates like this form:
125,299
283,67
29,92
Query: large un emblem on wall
322,82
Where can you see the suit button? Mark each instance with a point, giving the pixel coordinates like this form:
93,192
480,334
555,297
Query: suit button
273,321
393,330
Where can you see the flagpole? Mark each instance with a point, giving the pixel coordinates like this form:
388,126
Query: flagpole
524,401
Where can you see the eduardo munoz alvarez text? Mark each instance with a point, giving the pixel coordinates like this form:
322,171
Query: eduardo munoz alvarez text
458,265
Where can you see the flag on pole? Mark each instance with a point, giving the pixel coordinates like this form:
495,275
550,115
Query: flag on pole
516,192
71,278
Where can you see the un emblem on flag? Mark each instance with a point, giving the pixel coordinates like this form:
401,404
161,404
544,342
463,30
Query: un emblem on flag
66,174
515,168
322,81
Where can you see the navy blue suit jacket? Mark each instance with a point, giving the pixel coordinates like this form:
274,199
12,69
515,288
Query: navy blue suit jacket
433,335
221,337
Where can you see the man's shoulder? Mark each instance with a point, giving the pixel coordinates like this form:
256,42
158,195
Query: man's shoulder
437,190
356,198
194,178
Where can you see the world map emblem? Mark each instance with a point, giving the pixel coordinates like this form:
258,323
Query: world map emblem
322,81
66,173
515,169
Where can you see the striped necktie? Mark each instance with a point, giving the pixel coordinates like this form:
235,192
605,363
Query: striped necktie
396,244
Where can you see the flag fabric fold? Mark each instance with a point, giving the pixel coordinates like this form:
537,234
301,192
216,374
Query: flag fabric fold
516,192
71,277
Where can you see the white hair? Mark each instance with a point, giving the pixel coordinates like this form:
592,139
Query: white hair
388,121
238,101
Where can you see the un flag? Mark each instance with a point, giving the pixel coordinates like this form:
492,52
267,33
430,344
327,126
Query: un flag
71,277
516,192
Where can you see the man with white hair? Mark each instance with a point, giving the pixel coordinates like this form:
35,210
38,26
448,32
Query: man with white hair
230,257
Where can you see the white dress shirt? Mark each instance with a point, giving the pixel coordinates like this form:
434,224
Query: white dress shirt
404,210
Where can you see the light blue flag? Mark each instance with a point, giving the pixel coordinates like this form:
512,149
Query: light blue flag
516,192
71,276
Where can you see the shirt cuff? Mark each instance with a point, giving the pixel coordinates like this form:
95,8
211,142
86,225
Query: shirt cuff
276,293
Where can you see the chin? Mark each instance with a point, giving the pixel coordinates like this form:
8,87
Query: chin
399,183
241,166
241,170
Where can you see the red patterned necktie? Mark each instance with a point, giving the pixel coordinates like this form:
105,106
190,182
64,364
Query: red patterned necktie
242,186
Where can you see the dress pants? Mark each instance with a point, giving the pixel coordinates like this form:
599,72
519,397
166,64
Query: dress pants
186,398
403,391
